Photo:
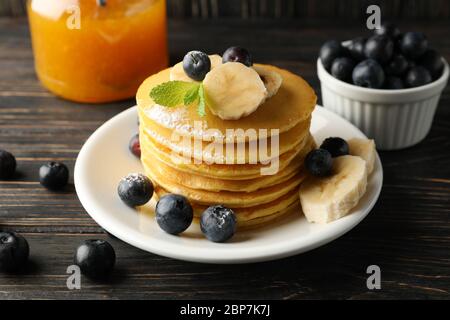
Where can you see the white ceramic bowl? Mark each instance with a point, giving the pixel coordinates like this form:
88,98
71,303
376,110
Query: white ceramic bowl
396,119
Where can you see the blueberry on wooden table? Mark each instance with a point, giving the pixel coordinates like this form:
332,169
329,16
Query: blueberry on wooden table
135,189
335,146
96,258
14,251
237,54
174,213
218,223
196,65
319,163
7,164
368,74
54,175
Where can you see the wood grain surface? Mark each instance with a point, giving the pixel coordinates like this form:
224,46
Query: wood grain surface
407,234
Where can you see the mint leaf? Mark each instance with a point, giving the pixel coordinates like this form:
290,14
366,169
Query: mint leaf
172,93
191,95
201,102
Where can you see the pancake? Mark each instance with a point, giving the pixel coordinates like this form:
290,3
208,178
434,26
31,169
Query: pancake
214,184
220,171
216,152
227,198
293,103
245,214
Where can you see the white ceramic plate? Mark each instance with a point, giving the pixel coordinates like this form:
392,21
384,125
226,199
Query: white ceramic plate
105,159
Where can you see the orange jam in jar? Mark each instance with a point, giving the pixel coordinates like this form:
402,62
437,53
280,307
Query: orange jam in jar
97,51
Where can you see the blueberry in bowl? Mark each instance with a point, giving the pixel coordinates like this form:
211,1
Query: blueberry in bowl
395,86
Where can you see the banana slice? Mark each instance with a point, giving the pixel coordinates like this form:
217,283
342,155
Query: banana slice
364,148
326,199
272,80
177,71
233,90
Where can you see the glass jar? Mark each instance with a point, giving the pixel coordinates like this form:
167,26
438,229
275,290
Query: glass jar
97,51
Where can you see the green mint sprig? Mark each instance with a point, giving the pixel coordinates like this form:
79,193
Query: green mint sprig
176,93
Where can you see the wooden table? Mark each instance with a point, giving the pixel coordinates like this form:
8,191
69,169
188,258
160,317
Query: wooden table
407,234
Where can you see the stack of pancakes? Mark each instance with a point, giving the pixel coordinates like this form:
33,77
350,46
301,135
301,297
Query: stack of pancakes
177,154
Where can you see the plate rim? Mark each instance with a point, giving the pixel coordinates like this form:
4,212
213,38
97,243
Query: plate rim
246,255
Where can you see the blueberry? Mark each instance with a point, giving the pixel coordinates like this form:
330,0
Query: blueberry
96,258
319,162
135,146
397,66
174,213
14,251
414,44
335,146
417,76
54,175
388,29
135,189
379,48
196,65
368,74
218,223
237,54
329,51
432,61
7,164
355,48
393,83
342,69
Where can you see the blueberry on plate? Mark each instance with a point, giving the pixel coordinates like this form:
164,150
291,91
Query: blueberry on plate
196,65
96,259
393,83
342,69
388,29
414,44
417,76
174,213
368,74
7,164
329,51
355,48
319,162
14,251
54,175
335,146
135,189
218,223
237,54
379,48
397,66
432,61
135,146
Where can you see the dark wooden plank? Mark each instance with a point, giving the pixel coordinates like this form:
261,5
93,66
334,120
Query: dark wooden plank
407,234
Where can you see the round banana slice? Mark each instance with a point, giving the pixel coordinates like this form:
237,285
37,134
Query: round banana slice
364,148
272,80
326,199
233,90
177,71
